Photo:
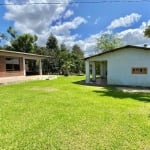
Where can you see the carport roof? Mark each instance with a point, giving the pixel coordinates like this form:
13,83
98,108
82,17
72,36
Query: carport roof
116,49
21,54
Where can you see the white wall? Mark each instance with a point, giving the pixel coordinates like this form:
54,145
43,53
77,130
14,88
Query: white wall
120,64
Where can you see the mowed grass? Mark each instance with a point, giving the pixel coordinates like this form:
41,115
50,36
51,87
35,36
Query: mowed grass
62,114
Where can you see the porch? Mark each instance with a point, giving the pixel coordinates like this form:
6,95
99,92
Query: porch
96,72
14,63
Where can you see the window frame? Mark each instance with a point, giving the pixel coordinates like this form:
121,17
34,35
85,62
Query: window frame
139,70
14,66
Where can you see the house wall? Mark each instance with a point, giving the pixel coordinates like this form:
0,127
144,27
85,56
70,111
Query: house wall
4,73
120,64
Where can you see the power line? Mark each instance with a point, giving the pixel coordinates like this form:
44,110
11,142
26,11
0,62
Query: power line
79,2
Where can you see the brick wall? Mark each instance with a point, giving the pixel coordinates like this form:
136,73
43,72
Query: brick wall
4,73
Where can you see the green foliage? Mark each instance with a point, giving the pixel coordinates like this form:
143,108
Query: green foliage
77,55
52,43
76,51
3,37
62,60
24,43
64,114
12,32
108,41
147,32
53,51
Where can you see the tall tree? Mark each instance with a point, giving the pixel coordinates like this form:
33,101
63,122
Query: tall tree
65,60
52,43
147,32
76,50
53,51
24,43
108,41
12,32
77,55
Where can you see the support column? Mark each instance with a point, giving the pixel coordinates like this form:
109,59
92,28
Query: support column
40,67
102,70
93,71
24,67
87,71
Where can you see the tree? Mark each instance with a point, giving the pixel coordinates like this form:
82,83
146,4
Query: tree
108,41
52,44
76,50
77,55
3,37
53,51
65,60
12,32
24,43
147,32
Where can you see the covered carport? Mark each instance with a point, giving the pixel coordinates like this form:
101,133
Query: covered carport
14,63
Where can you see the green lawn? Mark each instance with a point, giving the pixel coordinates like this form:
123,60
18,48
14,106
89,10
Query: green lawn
62,114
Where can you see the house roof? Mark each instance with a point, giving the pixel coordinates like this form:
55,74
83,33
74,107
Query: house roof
21,54
117,49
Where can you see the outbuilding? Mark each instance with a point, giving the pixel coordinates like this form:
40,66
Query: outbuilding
125,66
14,63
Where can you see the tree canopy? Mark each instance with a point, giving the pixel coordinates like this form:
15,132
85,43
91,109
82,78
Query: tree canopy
108,41
24,43
52,43
63,59
147,32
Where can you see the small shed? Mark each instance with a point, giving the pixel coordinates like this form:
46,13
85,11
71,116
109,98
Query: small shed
128,66
14,63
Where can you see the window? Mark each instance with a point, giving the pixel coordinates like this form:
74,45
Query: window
139,70
12,64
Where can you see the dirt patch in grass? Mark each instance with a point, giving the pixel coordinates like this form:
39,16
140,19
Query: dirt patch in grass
44,89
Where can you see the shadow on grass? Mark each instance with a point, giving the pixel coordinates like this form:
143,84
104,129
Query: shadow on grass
115,93
112,91
82,82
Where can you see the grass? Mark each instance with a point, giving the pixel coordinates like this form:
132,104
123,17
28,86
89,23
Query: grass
62,114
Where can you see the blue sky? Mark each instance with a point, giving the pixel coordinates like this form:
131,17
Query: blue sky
78,23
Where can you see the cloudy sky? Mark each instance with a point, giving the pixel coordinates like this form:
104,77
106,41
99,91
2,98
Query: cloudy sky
78,23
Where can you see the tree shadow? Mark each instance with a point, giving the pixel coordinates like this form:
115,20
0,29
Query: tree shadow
113,91
92,83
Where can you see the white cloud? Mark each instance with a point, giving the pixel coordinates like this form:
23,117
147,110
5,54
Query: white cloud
97,21
129,37
124,21
64,29
68,14
135,36
34,18
88,17
43,19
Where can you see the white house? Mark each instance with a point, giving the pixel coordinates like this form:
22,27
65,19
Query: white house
127,66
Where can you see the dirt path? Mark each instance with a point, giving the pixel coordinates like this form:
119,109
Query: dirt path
16,79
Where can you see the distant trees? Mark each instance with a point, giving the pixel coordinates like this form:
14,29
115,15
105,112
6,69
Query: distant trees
24,43
63,60
108,41
147,32
78,55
